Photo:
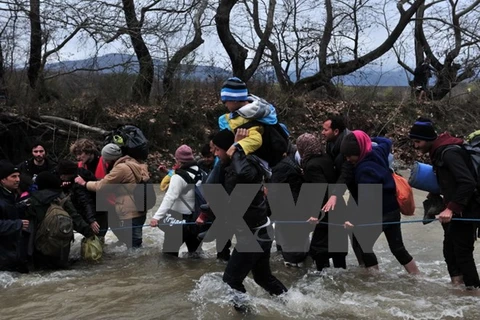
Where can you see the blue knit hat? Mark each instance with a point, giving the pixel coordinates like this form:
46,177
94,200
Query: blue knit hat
234,89
423,129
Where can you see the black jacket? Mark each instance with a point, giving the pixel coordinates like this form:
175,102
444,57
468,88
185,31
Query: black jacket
41,200
455,176
13,241
318,168
246,169
288,171
344,170
29,168
83,200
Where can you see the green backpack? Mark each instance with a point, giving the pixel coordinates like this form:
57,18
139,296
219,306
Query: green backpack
56,230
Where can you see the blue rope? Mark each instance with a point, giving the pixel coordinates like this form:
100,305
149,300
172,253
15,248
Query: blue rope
306,222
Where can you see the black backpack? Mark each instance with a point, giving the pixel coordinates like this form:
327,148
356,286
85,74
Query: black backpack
131,140
200,175
275,143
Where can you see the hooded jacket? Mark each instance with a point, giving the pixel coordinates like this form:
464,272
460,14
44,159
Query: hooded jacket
125,174
257,109
374,169
40,202
13,242
454,169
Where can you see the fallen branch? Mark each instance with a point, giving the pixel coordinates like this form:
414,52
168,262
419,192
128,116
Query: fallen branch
75,124
35,123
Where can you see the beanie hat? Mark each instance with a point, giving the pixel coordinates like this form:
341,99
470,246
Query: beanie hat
7,168
423,130
234,89
67,167
224,139
350,146
184,153
111,152
47,180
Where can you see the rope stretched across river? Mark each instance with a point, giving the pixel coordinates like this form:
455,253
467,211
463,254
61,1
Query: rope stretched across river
306,222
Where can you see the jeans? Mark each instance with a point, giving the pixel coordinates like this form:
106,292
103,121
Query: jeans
458,246
241,263
129,231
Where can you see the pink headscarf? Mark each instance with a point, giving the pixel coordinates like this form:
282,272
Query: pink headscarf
364,142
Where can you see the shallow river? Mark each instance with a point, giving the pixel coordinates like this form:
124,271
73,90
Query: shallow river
145,285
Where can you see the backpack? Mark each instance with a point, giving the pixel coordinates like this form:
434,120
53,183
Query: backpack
473,150
200,175
56,230
404,194
131,140
275,143
143,195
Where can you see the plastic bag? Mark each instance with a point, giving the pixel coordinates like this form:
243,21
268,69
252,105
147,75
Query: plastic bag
91,249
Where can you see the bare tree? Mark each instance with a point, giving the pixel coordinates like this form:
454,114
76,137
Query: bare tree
446,32
237,52
174,62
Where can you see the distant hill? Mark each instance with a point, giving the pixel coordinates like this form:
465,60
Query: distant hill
120,63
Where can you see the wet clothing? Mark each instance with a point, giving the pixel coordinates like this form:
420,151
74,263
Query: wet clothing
318,168
82,199
393,233
39,203
241,263
178,202
455,177
29,168
13,241
374,169
294,249
246,170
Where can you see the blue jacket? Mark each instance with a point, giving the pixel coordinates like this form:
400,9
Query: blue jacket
374,169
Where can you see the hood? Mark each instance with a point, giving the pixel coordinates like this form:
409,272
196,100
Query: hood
258,109
444,139
364,142
46,196
140,170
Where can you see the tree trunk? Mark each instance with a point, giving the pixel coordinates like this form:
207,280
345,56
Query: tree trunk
237,53
177,58
3,85
142,86
35,58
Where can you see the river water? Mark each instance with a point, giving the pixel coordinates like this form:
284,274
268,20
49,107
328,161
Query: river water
145,285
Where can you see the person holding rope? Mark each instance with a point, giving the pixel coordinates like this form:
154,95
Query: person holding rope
454,172
371,167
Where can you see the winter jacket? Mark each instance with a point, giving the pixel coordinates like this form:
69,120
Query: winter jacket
83,200
374,169
125,174
29,168
454,171
288,171
257,109
13,241
40,202
247,169
177,191
343,168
